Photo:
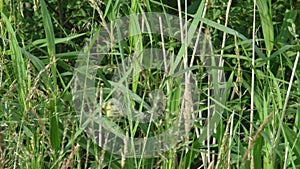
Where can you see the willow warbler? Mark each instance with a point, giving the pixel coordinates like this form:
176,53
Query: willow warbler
112,108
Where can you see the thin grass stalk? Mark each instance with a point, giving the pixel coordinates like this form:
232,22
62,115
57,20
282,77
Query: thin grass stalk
164,53
225,24
204,157
202,60
100,160
230,140
252,84
208,119
212,84
286,153
186,98
180,20
191,64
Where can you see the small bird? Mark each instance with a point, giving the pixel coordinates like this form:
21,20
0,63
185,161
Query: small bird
112,109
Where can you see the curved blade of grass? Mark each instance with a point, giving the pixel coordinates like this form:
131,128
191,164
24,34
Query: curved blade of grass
44,42
18,62
20,72
232,32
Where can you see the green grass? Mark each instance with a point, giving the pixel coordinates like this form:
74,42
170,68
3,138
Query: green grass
44,43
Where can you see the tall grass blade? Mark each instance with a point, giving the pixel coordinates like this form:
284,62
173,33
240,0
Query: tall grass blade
267,24
20,72
50,40
18,62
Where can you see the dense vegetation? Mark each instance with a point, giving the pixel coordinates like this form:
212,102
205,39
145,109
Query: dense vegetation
41,42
